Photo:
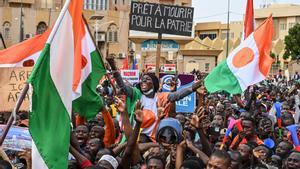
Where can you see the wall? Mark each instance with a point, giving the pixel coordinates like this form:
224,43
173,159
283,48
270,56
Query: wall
198,63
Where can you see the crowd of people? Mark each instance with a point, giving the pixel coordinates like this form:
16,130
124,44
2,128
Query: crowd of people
139,127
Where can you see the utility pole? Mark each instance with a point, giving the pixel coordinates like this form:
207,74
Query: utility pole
21,24
227,43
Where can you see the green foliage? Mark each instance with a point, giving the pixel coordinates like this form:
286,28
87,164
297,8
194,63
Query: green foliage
273,55
292,43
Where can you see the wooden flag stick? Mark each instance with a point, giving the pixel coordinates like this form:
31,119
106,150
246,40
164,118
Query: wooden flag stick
13,114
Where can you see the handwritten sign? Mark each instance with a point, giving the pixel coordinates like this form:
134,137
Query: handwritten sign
150,17
11,84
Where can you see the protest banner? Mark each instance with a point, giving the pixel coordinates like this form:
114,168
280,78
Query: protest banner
11,84
188,103
17,139
159,18
132,76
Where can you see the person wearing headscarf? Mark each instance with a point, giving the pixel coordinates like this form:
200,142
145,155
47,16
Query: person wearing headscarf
152,100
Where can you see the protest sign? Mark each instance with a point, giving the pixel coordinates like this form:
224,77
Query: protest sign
151,67
188,103
170,68
159,18
11,84
132,76
17,138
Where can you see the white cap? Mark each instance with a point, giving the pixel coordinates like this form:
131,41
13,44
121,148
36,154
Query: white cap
111,160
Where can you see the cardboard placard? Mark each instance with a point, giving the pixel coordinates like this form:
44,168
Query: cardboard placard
11,85
159,18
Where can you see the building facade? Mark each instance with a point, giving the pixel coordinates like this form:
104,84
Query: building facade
185,52
107,19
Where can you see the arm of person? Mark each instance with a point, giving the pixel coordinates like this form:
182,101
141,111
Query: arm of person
117,150
175,96
74,141
81,159
237,99
5,157
121,107
110,133
179,154
146,146
132,149
196,122
250,101
116,74
205,143
201,155
125,162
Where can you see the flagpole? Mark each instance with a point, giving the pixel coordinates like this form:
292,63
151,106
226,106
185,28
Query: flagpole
58,21
93,39
25,89
13,115
2,39
96,46
227,42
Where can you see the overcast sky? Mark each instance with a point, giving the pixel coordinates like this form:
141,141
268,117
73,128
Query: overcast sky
216,10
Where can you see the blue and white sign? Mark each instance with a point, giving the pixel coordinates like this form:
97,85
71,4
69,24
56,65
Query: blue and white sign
166,45
188,103
17,138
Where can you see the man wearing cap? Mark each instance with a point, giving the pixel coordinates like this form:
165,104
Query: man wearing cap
109,162
147,92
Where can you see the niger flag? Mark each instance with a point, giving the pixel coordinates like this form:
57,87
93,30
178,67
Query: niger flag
24,54
249,20
63,80
248,64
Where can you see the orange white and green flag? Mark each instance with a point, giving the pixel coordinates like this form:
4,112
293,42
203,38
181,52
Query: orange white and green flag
249,22
248,64
63,80
24,54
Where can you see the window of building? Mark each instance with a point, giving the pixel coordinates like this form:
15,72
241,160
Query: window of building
46,4
211,36
223,35
292,24
282,26
41,28
206,67
112,33
6,30
95,4
298,19
232,35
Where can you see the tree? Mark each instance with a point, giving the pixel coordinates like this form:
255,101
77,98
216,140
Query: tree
292,43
